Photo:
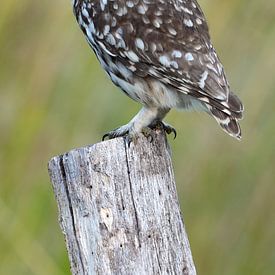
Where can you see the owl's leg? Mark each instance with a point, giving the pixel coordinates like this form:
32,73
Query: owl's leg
140,123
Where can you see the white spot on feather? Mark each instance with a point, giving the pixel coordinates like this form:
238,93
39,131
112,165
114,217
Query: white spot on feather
187,10
189,57
174,64
110,39
132,56
103,3
176,54
139,44
188,22
164,61
85,13
130,4
141,9
106,29
198,21
105,49
203,78
172,31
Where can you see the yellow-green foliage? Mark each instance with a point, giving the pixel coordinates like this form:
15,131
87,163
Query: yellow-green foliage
54,96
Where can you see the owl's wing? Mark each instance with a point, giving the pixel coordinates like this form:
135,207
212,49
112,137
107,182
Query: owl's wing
167,40
179,52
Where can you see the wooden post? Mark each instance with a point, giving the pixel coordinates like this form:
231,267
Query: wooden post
119,210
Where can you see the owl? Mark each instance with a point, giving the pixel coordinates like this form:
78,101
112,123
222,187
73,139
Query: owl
159,53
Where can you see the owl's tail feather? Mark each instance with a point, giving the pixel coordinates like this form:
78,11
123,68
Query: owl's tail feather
228,123
235,106
227,113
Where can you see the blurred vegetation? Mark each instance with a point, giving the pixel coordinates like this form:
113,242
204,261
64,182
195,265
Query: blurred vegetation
54,96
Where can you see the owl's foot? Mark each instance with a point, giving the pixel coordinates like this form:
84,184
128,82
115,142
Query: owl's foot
128,132
144,122
118,132
165,126
131,134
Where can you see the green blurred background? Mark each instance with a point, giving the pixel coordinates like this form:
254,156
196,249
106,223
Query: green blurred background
54,97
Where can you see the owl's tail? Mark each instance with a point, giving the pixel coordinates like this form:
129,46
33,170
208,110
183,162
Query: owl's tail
229,115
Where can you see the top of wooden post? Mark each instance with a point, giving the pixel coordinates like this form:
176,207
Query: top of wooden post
119,210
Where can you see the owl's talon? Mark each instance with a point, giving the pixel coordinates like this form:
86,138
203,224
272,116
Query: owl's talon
109,135
128,140
105,136
169,129
132,137
148,133
118,132
175,133
166,127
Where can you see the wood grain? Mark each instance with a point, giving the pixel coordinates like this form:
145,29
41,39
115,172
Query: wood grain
119,210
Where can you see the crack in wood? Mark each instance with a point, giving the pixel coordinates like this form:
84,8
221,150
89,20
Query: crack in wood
63,173
131,191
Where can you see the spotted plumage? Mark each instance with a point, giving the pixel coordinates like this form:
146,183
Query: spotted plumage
160,54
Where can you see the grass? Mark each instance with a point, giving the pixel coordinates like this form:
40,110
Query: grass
54,97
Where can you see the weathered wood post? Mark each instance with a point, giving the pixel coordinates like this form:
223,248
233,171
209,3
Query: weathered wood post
119,210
